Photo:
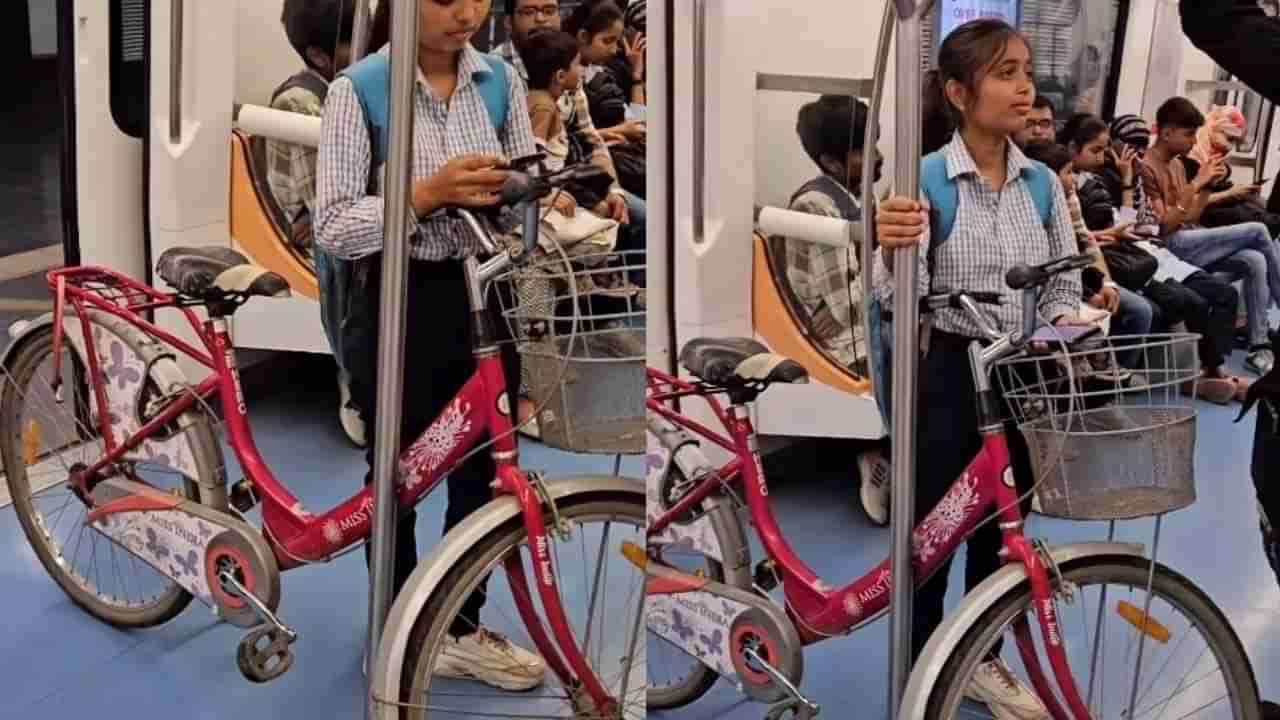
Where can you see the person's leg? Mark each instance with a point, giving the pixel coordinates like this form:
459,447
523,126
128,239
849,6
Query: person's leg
1206,246
1213,316
634,236
947,440
1250,267
1133,317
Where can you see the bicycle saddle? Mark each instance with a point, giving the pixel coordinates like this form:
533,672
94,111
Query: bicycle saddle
215,272
730,361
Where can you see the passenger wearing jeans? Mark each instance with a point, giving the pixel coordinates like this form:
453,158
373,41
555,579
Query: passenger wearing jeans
986,89
457,159
320,31
1178,202
826,280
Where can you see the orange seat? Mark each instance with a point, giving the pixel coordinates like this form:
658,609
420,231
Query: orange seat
257,225
778,324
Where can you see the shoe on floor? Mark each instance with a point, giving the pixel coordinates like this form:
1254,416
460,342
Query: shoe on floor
994,685
349,415
490,658
1260,361
874,469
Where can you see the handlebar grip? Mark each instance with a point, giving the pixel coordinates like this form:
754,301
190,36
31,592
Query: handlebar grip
1021,277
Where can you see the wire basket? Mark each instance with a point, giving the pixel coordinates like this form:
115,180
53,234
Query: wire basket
1108,443
578,322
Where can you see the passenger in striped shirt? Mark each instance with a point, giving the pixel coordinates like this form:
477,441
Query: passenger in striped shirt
986,88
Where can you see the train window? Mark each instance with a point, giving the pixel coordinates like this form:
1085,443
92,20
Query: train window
1073,42
128,65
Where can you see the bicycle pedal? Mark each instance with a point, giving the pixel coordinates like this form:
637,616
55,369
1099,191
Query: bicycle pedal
264,655
243,498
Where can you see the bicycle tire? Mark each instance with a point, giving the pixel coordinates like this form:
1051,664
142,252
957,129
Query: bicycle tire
169,603
1172,587
452,591
699,682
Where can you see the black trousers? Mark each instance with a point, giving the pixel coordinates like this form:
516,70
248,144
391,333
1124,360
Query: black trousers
1207,305
947,440
438,361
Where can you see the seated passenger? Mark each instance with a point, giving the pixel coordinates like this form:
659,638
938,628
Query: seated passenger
1041,125
826,280
613,83
1131,314
320,31
1178,201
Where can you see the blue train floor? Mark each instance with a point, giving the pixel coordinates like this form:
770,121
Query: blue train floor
1215,543
56,661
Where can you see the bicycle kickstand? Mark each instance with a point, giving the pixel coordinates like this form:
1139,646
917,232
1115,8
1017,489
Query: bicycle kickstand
800,707
261,662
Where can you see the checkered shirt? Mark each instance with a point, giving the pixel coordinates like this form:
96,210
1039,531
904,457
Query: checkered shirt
349,221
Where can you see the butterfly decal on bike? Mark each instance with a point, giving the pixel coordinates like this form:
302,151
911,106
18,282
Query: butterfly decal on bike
682,629
186,563
205,531
713,642
117,370
156,546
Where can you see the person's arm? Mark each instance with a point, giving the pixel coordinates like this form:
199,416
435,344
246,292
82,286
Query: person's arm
584,129
542,120
1061,295
1158,198
348,220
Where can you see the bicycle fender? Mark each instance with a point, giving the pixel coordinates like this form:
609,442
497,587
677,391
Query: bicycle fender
28,329
385,672
948,635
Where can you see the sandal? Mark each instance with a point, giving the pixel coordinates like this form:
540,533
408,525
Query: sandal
1220,391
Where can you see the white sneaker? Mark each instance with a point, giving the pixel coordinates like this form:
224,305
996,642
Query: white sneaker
874,469
490,658
994,685
348,414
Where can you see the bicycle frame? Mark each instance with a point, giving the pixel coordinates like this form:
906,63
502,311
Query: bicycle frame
298,537
821,611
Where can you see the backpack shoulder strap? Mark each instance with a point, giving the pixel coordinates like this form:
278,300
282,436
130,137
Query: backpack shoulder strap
306,80
370,77
942,194
1041,185
495,89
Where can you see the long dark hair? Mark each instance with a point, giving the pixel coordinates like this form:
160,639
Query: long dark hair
965,56
594,17
380,27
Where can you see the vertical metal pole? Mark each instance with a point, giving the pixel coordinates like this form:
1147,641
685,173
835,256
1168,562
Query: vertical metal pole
869,168
906,322
395,266
699,121
360,31
176,25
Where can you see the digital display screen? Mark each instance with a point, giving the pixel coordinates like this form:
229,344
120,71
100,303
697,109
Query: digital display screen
954,13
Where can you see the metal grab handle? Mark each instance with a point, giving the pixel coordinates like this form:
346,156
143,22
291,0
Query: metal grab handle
175,70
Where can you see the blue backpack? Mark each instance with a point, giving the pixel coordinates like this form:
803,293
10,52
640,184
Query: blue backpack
371,78
944,196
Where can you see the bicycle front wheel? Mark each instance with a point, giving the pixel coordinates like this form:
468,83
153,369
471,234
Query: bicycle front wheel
1192,663
493,671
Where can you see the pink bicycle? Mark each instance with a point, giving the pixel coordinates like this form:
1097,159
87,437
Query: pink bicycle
711,615
118,481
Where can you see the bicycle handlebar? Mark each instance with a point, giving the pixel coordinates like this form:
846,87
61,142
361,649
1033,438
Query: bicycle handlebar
1027,278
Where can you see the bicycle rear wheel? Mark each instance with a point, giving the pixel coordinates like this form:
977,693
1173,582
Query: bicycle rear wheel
603,595
1193,664
42,441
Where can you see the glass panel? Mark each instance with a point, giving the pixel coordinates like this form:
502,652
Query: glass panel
1072,41
127,66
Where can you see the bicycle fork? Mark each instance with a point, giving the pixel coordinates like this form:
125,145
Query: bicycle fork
562,653
1022,551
